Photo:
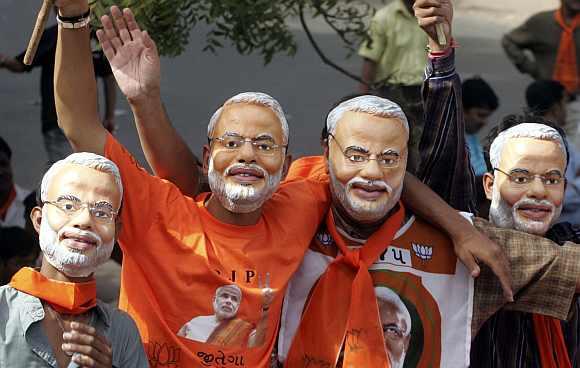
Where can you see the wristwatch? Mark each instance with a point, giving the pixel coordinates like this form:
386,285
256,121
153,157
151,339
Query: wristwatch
77,22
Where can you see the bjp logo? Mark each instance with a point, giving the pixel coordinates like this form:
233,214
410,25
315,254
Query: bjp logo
163,355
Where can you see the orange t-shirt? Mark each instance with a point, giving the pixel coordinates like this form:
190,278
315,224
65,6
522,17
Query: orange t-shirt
177,255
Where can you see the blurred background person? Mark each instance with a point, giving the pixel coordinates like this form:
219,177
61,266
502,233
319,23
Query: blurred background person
546,47
479,102
55,143
18,249
394,60
15,202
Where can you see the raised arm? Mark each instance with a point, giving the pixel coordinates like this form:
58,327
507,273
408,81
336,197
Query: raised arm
136,66
75,88
445,165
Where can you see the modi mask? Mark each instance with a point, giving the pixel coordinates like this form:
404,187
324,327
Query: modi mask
527,186
367,156
77,227
247,154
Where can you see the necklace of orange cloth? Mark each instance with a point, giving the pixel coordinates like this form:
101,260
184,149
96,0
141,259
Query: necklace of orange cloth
343,309
566,68
551,344
4,208
64,297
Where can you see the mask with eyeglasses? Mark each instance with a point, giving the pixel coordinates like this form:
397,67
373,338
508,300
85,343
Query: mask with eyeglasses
263,146
524,177
71,205
358,157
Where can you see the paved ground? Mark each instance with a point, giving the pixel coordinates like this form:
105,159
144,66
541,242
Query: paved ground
195,83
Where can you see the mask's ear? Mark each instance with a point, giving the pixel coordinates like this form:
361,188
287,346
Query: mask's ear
36,217
488,185
287,163
206,157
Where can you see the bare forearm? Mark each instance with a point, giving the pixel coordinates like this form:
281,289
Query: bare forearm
165,150
76,90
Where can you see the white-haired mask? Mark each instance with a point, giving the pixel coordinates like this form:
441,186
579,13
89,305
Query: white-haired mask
82,196
367,156
527,186
243,184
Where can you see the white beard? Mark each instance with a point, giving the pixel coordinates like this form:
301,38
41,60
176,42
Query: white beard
72,263
240,198
358,209
504,216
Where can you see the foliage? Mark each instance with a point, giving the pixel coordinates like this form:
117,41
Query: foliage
250,25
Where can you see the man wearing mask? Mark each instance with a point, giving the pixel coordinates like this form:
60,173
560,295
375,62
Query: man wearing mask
56,306
494,344
526,189
243,231
362,196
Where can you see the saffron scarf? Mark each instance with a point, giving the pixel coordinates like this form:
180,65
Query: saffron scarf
566,68
63,297
550,339
343,307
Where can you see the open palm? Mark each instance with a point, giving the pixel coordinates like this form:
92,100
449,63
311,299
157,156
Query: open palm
132,54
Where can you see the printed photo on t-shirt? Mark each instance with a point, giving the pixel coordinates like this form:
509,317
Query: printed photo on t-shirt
225,327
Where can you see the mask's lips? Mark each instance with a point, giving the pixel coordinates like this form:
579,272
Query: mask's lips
534,211
245,174
78,241
368,192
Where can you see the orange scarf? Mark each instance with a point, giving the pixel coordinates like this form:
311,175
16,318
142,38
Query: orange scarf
566,69
550,339
63,297
4,208
343,307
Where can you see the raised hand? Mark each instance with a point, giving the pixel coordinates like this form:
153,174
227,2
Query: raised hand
429,13
267,292
132,54
89,349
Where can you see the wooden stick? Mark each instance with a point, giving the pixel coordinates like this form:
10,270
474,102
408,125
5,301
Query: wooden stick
38,30
441,39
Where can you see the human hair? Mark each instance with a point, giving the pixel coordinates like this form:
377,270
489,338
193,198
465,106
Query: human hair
525,127
369,104
16,242
542,95
256,98
478,93
86,159
5,148
387,295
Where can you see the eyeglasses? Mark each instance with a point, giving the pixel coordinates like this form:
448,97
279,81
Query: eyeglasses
70,205
523,178
261,146
356,156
